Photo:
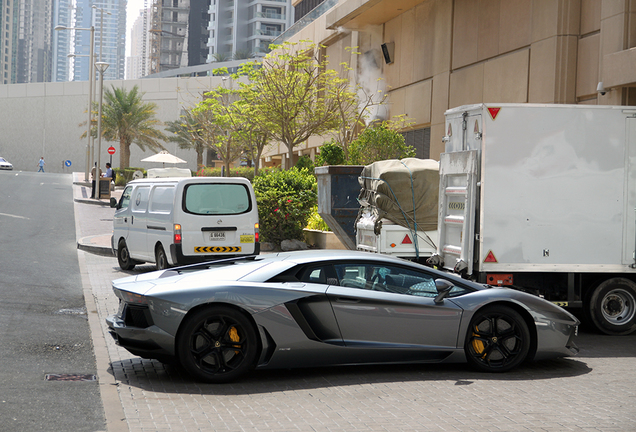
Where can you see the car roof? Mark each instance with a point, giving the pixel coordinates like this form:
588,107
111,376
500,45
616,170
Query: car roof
189,180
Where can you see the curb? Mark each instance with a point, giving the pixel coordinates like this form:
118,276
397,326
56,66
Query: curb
85,245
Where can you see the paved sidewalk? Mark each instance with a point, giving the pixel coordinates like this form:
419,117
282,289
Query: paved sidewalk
595,391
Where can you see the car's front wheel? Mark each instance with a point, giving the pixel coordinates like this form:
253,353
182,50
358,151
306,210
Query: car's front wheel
498,339
217,344
123,256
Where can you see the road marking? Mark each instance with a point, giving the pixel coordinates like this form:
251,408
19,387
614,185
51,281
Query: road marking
14,216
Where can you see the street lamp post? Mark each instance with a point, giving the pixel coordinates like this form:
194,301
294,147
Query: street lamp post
101,66
91,78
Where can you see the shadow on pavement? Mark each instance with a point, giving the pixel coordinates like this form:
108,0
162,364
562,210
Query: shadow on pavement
151,375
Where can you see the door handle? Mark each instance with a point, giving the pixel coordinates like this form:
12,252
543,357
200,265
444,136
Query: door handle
347,300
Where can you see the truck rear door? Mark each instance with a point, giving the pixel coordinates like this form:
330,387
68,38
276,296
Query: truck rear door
458,197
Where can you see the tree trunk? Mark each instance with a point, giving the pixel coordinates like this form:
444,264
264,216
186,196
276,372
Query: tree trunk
124,155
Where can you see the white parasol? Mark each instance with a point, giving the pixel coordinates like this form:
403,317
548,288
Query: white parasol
164,157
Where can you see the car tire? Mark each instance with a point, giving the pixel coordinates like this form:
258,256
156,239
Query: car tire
217,344
612,306
123,256
498,339
160,258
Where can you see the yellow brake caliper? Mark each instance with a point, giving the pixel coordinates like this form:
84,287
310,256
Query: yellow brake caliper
234,337
478,345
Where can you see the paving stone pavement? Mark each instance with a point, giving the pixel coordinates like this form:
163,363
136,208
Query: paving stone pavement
595,391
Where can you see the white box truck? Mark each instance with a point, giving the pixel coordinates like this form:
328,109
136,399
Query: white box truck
398,208
542,198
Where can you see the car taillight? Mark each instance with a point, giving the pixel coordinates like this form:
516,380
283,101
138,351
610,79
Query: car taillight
177,234
256,232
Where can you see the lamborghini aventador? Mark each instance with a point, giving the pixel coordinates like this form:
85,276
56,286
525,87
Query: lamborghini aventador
316,308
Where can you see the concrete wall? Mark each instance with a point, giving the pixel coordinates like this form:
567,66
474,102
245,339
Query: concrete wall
43,120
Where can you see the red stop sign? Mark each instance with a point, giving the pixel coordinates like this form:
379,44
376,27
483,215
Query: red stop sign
111,150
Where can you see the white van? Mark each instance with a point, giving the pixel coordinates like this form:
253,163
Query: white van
174,221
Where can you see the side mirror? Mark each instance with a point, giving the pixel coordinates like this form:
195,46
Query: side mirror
444,288
113,203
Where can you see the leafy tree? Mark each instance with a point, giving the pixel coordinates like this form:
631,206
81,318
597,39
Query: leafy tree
293,94
285,201
127,119
242,55
234,123
379,142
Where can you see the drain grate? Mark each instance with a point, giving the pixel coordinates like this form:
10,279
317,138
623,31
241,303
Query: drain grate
70,377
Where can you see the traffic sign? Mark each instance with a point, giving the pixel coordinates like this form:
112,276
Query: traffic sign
67,163
111,150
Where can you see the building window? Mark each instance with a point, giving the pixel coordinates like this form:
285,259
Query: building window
304,7
420,139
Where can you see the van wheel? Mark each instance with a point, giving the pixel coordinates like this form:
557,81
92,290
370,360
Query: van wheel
123,256
160,258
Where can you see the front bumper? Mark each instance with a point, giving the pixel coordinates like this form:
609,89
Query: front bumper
150,342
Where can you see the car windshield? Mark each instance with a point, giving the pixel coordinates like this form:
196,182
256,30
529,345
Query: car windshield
217,198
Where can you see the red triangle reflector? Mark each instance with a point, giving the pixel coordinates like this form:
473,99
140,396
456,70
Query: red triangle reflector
490,258
494,112
407,240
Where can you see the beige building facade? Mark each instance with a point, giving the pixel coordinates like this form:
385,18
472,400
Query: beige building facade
447,53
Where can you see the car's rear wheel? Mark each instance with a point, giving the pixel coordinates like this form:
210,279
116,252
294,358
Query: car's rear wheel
160,258
498,339
123,256
217,344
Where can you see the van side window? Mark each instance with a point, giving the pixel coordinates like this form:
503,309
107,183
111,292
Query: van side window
217,199
140,199
162,199
125,197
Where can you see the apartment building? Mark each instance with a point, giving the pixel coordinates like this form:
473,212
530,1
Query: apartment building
432,55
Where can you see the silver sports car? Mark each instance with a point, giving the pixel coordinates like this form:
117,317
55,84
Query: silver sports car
316,308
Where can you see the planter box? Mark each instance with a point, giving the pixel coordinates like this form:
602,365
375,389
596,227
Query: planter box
323,239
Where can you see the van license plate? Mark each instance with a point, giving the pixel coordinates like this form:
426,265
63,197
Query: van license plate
217,235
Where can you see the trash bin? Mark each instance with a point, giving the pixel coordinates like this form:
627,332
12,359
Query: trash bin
338,190
104,188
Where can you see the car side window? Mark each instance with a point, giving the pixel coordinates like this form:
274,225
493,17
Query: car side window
389,278
125,197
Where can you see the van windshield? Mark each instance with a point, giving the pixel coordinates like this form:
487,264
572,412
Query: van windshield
216,199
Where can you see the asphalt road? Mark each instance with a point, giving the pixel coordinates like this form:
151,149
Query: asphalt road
43,324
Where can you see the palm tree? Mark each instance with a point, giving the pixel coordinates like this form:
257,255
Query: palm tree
127,119
188,134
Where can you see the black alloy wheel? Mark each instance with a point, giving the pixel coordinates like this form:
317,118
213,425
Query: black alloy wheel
123,256
160,258
498,339
217,344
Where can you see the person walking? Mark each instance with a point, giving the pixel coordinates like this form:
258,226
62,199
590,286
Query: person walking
41,164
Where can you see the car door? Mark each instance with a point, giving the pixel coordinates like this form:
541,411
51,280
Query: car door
138,231
121,218
389,306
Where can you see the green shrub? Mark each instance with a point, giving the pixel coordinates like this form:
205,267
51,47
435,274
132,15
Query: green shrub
285,200
378,143
315,221
330,154
305,162
125,175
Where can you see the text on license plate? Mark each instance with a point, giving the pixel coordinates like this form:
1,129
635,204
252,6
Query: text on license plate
217,235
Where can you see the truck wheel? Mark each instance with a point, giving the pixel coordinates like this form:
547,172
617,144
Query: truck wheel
123,256
160,258
612,306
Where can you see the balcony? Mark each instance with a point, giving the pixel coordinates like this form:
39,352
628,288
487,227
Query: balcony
268,32
269,15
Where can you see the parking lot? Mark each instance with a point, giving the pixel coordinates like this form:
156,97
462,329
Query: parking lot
594,391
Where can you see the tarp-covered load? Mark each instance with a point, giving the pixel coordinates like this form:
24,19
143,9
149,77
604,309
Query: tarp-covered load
394,188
